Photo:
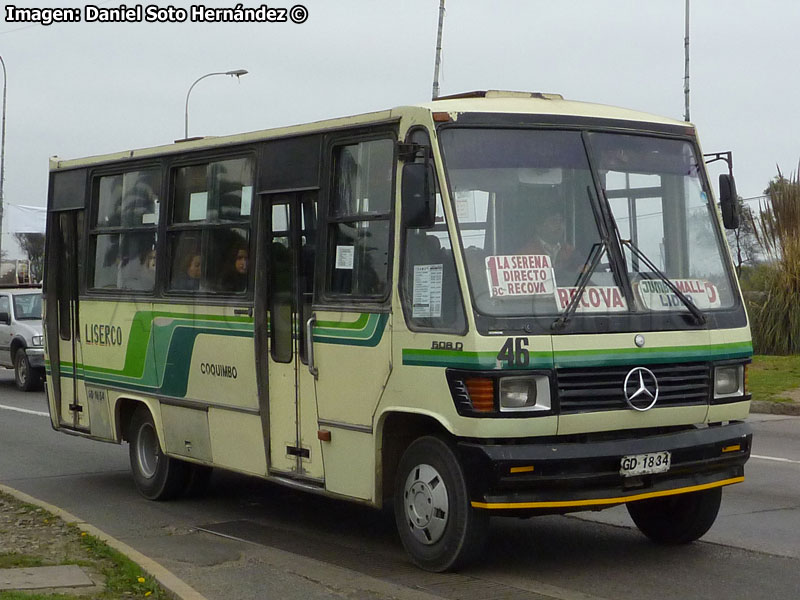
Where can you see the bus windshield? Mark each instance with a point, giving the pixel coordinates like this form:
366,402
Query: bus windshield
527,212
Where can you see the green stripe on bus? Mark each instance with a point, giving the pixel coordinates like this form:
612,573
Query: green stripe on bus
623,356
359,323
370,334
470,360
579,358
160,347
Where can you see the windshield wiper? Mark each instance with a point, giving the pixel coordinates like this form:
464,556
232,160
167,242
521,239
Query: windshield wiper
586,272
696,312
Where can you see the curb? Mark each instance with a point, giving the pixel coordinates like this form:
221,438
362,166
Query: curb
169,581
775,408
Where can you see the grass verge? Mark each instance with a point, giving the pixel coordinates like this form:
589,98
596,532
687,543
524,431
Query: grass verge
768,377
31,537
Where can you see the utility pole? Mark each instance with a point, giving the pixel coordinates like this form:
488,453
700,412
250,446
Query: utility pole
3,150
686,75
438,52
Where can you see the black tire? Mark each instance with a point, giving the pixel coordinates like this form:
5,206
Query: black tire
677,519
157,476
438,526
25,377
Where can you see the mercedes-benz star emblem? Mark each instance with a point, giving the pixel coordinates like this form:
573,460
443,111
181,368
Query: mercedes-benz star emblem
641,389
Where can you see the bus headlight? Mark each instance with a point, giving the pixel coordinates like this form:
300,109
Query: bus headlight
729,381
494,394
524,393
37,340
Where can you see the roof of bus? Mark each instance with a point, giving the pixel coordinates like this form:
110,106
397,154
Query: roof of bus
499,101
472,102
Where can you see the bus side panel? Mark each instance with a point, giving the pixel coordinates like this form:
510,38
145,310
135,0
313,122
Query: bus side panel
350,464
237,441
353,354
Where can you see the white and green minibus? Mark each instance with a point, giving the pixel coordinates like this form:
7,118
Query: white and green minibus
492,304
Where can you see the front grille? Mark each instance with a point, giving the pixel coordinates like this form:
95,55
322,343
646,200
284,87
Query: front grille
600,388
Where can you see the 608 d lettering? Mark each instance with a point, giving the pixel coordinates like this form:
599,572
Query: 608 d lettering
457,346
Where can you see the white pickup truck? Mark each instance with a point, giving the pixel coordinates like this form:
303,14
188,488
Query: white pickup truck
21,341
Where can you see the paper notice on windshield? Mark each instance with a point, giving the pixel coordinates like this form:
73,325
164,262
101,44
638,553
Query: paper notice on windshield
520,275
427,300
594,299
656,295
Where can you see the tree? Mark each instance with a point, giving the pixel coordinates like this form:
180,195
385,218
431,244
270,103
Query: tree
32,244
742,241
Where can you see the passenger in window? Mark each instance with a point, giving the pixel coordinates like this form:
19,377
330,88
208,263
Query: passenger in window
140,272
235,277
189,276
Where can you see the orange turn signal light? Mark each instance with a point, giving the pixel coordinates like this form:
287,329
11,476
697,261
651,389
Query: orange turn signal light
734,448
481,393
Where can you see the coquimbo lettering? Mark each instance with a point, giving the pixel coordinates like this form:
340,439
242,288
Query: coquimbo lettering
216,370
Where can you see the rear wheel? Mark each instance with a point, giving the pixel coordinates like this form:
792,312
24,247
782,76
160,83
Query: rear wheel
438,526
157,476
677,519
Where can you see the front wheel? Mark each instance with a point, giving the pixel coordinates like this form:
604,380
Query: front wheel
157,476
438,526
677,519
25,377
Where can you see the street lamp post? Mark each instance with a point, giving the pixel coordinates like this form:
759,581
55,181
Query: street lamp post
2,150
235,73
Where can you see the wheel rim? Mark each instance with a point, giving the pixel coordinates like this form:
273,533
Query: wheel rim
426,504
147,451
22,371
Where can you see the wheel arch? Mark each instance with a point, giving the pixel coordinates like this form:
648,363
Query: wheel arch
125,407
18,343
396,429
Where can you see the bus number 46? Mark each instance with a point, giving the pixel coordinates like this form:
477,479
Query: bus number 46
515,352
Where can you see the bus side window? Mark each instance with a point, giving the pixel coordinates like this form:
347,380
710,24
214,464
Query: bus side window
359,220
429,287
124,230
208,234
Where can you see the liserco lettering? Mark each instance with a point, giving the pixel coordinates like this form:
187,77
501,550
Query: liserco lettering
97,334
213,370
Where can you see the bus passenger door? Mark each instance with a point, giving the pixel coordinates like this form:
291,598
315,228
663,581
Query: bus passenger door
294,446
73,411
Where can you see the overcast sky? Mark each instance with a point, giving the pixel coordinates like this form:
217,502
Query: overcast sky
79,89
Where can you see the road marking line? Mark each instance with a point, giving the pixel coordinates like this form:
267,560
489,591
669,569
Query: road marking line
38,413
776,459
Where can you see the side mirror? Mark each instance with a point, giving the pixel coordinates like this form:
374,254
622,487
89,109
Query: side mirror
418,196
5,318
728,201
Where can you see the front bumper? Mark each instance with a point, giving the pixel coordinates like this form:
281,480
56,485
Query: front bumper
35,357
559,477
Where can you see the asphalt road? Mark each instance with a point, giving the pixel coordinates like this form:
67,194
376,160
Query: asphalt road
248,539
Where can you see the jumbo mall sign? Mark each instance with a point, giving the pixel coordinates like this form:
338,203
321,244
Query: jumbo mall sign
656,295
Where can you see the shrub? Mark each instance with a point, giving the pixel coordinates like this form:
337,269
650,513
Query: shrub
775,318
